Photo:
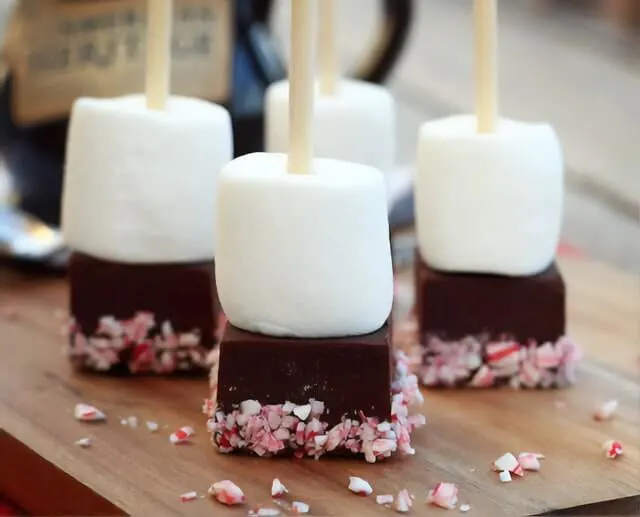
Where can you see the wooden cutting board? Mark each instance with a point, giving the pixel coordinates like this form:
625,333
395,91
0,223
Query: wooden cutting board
134,471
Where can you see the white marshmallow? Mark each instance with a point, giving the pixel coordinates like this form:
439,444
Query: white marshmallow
488,203
140,185
356,124
303,255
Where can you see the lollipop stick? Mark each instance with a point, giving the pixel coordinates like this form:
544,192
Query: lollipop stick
301,84
327,51
486,14
159,22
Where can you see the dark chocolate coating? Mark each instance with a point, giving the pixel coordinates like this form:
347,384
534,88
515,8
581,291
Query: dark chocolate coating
348,374
455,305
184,294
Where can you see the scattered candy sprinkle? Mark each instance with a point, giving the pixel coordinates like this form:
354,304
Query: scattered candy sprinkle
530,460
509,463
384,499
278,489
612,449
132,421
182,435
464,508
124,422
264,512
505,476
152,426
444,495
87,413
359,486
189,496
83,442
606,410
226,492
298,507
404,502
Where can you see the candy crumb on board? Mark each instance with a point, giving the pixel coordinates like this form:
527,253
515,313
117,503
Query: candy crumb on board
612,449
227,492
359,486
505,476
278,489
260,511
404,502
508,462
530,460
83,442
152,426
464,508
298,507
88,413
189,496
384,499
606,410
182,435
444,495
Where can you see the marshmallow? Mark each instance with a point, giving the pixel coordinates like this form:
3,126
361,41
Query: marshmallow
140,185
488,203
303,255
356,124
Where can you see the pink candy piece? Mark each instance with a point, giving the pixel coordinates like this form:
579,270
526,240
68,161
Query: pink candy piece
404,502
226,492
278,489
384,499
189,496
298,507
359,486
612,449
606,410
509,463
182,435
530,460
87,413
444,495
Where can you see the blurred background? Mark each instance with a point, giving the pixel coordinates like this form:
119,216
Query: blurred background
573,63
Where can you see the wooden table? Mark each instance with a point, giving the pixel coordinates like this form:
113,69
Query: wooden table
136,472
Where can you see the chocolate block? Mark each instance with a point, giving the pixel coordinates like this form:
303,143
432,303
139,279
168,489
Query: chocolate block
486,330
311,396
143,317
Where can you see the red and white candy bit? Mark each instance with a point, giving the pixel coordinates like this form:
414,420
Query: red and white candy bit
359,486
444,495
87,413
509,463
606,410
189,496
227,492
298,508
404,501
182,435
530,460
83,442
504,476
612,449
278,489
260,511
384,499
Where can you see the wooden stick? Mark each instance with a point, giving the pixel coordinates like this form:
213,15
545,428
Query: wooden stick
158,73
301,87
486,84
327,48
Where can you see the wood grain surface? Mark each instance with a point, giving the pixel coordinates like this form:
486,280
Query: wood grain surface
136,472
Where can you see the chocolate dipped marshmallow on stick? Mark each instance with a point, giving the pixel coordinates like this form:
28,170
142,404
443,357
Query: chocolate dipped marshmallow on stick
490,301
305,280
138,197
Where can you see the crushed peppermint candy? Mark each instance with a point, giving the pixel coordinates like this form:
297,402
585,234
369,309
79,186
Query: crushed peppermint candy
298,507
152,426
132,421
505,476
404,501
606,410
87,413
359,486
264,512
189,496
464,508
227,492
444,495
278,489
509,463
384,499
530,460
612,449
83,442
182,435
